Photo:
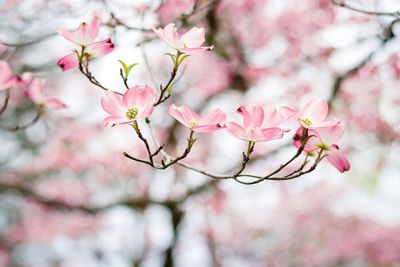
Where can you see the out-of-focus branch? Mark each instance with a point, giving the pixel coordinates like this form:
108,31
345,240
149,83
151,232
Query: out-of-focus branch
342,3
176,218
388,35
5,103
39,113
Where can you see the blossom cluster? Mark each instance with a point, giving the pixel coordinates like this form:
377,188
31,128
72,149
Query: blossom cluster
316,136
33,87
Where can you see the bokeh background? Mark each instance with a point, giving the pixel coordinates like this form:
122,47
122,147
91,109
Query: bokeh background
69,198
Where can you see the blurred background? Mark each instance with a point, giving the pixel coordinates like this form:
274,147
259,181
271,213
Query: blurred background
69,198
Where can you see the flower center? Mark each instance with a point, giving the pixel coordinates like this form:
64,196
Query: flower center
194,123
306,121
132,113
323,147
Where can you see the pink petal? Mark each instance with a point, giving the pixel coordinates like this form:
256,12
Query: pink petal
115,120
5,76
112,104
68,62
327,123
55,104
330,135
94,26
66,34
287,112
183,114
271,134
139,97
169,35
146,111
196,49
100,48
316,111
36,91
337,159
235,129
214,117
253,115
207,128
272,116
193,38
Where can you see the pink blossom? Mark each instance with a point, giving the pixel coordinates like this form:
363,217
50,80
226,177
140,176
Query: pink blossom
85,34
36,93
313,115
259,124
85,37
187,43
22,80
136,103
325,138
209,122
6,80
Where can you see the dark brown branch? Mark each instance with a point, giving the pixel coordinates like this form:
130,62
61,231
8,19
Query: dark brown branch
38,115
367,12
5,104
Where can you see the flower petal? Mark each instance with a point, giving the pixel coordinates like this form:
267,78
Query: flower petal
115,120
5,76
316,111
253,115
100,48
183,114
213,117
193,38
169,35
337,159
55,104
36,91
70,61
112,104
235,130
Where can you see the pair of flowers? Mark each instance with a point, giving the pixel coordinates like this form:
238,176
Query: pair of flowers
86,34
137,103
84,37
35,87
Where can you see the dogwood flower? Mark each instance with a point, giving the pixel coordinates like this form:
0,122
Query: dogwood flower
259,124
209,122
85,34
136,103
6,78
324,139
22,80
313,115
187,43
84,37
35,92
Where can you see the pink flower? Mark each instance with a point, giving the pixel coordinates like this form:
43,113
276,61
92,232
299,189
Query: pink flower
85,34
6,79
136,103
209,122
85,37
313,115
189,42
22,80
325,138
36,93
256,128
